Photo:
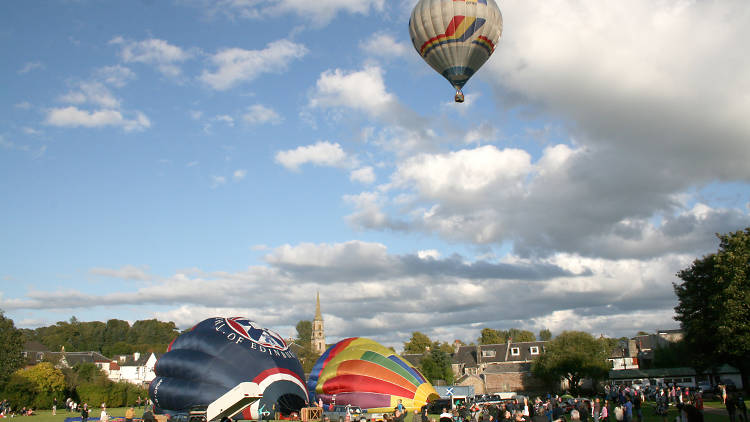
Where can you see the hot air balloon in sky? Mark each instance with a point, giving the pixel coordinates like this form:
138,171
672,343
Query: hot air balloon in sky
361,372
455,37
219,353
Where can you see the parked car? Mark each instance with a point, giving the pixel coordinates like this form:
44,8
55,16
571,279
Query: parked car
339,412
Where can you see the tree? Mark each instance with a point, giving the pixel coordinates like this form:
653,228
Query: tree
437,366
714,305
418,343
12,341
304,332
490,336
545,335
573,355
518,335
671,355
43,381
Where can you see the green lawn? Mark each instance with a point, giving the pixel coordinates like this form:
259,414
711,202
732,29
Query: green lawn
46,415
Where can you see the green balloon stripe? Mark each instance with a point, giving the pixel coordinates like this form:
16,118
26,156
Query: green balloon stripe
393,366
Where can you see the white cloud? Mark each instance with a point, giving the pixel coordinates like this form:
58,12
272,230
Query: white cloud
74,117
217,181
260,114
239,175
229,120
428,254
635,90
155,52
363,175
127,272
322,153
362,288
360,90
464,172
31,131
116,75
319,13
91,93
237,65
383,44
30,66
484,132
23,105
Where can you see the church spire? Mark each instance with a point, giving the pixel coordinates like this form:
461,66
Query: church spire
318,315
318,334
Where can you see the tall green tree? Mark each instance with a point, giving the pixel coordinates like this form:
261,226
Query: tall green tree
714,305
304,332
518,335
545,334
11,348
437,366
490,336
573,356
418,343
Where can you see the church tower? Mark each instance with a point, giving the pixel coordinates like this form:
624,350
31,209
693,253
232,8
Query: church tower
318,335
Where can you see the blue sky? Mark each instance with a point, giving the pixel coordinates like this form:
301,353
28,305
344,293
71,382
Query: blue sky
186,159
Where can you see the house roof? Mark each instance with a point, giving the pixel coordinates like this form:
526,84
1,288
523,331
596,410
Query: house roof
74,358
472,356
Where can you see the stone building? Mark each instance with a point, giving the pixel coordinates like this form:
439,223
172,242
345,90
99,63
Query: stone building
494,368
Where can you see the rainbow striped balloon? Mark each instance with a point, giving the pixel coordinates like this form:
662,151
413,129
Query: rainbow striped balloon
361,372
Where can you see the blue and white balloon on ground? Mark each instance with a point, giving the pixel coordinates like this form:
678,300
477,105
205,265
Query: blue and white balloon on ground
219,353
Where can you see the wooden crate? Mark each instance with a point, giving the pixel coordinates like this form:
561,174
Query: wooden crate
312,414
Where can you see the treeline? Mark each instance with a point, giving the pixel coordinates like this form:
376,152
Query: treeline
114,337
38,386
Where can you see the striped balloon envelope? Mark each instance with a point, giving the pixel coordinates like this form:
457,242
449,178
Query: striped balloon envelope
361,372
455,37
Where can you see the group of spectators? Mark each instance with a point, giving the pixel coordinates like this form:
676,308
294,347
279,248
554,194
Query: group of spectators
7,411
619,404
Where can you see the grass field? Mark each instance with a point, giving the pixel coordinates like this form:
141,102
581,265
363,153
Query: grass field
649,415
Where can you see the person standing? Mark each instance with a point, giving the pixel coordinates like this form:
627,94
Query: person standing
627,410
731,405
104,416
637,406
54,406
400,407
85,413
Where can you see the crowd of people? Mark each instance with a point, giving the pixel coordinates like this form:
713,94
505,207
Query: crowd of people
619,403
7,411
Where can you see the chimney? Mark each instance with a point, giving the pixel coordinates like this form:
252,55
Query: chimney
136,355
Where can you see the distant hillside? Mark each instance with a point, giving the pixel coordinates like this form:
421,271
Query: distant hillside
114,337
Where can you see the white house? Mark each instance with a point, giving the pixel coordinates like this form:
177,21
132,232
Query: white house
135,369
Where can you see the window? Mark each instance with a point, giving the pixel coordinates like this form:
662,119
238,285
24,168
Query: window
515,351
488,353
25,354
534,350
